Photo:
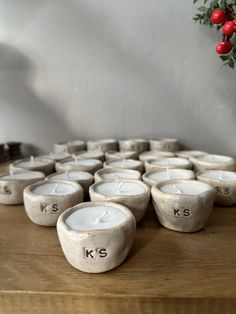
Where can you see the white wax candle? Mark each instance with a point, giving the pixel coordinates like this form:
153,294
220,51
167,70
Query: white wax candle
56,156
54,188
120,175
95,218
154,155
32,162
71,175
123,155
124,163
119,188
82,162
219,175
192,188
22,175
215,158
169,161
191,153
169,174
89,155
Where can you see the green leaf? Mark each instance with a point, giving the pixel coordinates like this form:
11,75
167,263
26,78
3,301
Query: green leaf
194,1
202,9
224,58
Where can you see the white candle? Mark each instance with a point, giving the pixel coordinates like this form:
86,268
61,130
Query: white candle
121,155
51,188
154,177
37,164
32,162
219,175
71,175
95,218
124,164
56,156
116,174
190,153
154,155
90,155
89,165
120,188
213,162
22,175
190,187
172,162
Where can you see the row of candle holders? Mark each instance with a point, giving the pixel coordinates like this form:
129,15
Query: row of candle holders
97,235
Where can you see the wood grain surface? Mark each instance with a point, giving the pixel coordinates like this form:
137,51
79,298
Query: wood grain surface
166,271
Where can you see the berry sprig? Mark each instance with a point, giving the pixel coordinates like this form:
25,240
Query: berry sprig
220,13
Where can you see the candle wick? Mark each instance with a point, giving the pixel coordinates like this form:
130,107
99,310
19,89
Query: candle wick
76,160
123,162
12,173
32,159
54,190
116,177
168,173
67,174
120,186
176,188
101,217
221,175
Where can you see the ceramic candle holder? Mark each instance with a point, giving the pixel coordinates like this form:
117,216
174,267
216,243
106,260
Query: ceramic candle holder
165,144
13,184
121,155
125,164
183,205
46,200
116,174
56,156
96,236
225,184
170,163
213,162
87,165
154,177
90,155
70,147
190,154
131,193
104,145
150,155
85,179
34,164
137,145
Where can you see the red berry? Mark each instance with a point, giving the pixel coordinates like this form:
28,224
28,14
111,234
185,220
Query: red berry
228,28
234,21
223,47
218,16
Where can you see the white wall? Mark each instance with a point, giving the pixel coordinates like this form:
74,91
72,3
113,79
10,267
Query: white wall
106,68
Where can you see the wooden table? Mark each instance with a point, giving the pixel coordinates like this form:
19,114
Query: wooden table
166,271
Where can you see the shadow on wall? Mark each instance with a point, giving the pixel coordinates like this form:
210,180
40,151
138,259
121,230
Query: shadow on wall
24,115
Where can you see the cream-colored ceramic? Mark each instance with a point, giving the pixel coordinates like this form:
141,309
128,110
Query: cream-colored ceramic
103,145
180,211
225,184
34,164
136,201
116,174
213,162
44,209
90,155
87,165
96,250
121,155
124,164
13,184
137,145
190,153
70,147
150,155
170,163
165,144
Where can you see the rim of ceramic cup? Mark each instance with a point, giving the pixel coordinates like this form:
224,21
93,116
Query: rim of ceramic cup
230,160
186,162
29,189
156,188
143,184
81,161
99,154
138,162
49,161
119,170
181,153
129,215
199,175
22,171
187,171
113,152
90,176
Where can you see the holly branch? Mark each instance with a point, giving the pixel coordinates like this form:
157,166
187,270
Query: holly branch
220,14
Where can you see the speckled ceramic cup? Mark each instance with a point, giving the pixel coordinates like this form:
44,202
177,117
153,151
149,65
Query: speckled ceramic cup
116,174
125,164
103,145
137,145
96,250
121,155
39,164
165,144
213,162
70,147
